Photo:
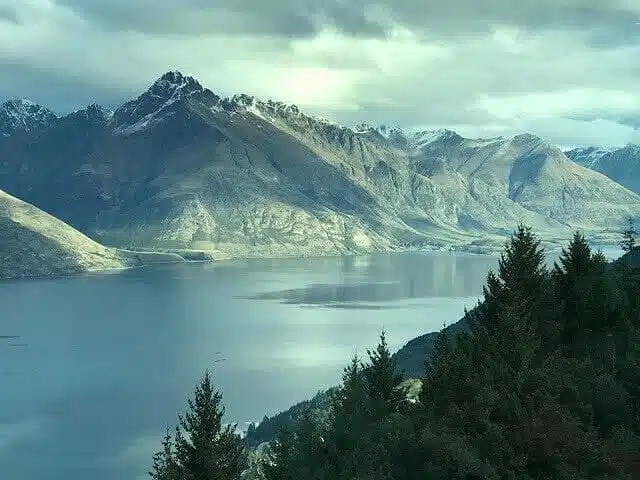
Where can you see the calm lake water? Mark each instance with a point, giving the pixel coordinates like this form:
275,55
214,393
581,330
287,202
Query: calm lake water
103,362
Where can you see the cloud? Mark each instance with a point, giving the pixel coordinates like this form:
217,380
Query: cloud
496,66
353,17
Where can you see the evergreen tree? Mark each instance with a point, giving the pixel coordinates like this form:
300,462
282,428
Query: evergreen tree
383,382
442,351
311,448
349,417
521,273
164,464
629,235
571,277
206,450
281,457
350,405
586,295
576,259
251,430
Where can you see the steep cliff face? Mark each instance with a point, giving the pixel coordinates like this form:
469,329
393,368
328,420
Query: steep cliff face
179,167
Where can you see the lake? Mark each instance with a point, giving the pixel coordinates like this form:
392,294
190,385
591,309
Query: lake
102,362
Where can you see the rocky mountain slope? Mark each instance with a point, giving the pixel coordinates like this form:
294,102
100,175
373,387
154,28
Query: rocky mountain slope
621,165
33,243
36,244
181,168
23,116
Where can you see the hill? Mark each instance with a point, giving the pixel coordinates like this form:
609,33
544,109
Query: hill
35,244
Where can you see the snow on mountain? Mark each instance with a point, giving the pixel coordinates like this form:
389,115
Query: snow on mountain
23,116
587,156
94,112
426,137
179,167
621,165
155,105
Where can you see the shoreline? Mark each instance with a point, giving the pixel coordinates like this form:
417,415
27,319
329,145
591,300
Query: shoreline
147,258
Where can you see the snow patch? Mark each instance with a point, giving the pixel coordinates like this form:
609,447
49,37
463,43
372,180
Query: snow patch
421,139
23,115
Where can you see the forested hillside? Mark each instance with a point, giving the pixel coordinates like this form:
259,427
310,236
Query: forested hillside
543,385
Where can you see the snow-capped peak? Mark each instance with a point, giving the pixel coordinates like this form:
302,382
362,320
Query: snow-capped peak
425,137
384,131
244,102
94,111
588,156
23,115
392,136
153,106
174,84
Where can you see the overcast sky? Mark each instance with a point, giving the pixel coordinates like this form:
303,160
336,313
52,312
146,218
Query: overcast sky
567,70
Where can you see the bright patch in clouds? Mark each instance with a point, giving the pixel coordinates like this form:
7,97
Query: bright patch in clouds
562,69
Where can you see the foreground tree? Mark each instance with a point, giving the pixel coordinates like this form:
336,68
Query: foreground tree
587,297
521,277
280,461
350,408
164,464
383,383
204,450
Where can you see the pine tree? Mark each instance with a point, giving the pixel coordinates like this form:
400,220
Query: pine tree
311,448
521,273
383,382
629,235
281,456
441,354
576,259
586,296
164,463
349,414
208,451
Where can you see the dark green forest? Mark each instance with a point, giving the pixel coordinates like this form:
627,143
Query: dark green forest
543,384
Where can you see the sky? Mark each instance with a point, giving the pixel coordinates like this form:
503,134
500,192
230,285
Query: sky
566,70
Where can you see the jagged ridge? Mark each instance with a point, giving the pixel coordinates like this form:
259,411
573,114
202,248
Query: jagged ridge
181,167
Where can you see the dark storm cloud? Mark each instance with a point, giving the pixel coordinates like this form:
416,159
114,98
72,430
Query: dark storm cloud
607,20
71,91
300,18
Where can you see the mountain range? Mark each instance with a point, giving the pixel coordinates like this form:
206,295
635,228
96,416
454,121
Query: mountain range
181,168
620,164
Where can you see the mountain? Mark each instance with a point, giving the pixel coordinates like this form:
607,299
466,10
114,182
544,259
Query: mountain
23,116
621,165
181,168
33,243
36,244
